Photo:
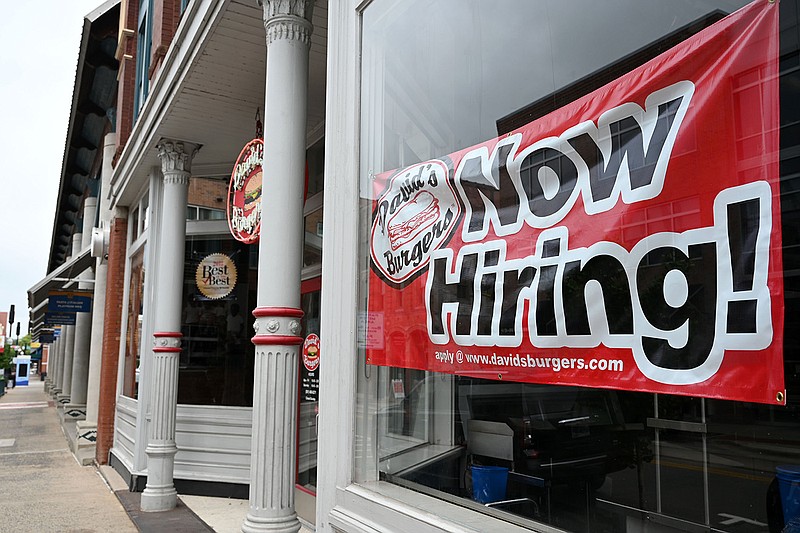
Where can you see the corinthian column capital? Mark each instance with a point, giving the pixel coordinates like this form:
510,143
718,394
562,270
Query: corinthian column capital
176,156
288,19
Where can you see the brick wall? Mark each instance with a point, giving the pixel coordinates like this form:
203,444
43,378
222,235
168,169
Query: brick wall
126,76
207,192
112,329
166,15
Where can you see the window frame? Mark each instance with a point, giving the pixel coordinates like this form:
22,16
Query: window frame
144,42
353,505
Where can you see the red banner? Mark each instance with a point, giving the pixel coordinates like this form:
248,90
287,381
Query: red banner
629,240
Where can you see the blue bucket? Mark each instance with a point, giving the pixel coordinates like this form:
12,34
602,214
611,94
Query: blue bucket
789,484
489,483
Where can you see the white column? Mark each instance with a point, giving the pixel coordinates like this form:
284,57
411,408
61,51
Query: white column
176,159
68,337
52,365
273,447
76,408
68,333
87,429
59,363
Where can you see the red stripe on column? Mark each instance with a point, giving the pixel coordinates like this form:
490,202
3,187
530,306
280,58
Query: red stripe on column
177,334
281,340
260,312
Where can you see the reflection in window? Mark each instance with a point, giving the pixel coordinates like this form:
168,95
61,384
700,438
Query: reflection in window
315,157
581,459
194,212
312,239
143,49
216,364
133,331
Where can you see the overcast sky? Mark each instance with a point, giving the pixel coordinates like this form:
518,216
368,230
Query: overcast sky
39,44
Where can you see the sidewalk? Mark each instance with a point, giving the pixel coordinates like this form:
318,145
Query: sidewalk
43,488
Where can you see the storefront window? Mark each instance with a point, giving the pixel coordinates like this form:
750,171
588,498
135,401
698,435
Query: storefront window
133,331
490,251
312,239
216,365
315,159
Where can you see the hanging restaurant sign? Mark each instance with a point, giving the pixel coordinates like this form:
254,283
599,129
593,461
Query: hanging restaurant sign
215,276
244,193
629,240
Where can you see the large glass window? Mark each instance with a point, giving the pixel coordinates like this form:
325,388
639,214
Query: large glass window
219,293
133,330
144,41
442,77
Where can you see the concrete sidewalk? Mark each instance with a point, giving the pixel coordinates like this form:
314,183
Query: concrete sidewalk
42,486
44,489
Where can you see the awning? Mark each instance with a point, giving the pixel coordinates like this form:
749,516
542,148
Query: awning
93,95
66,273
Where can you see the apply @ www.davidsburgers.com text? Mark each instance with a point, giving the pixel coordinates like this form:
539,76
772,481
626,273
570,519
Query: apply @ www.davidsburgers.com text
556,364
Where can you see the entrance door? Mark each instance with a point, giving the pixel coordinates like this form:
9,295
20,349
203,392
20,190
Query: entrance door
308,408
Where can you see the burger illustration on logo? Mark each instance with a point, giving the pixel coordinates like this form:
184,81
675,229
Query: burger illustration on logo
415,215
252,193
244,193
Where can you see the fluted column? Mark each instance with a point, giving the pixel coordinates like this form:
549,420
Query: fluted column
76,408
57,364
65,385
274,438
52,365
68,333
176,159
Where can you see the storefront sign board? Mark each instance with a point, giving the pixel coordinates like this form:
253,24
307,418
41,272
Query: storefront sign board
629,240
69,301
59,319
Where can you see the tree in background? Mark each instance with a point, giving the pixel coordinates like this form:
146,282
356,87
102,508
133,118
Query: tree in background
9,353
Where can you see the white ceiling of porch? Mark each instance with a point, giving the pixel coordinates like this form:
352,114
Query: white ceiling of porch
215,104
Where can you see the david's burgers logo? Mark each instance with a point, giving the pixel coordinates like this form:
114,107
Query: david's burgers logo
244,193
415,215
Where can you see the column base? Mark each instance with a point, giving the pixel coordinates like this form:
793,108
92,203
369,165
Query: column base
278,524
159,493
85,447
62,400
74,411
155,500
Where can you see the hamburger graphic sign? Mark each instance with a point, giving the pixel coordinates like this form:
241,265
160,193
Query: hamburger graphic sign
629,240
244,193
